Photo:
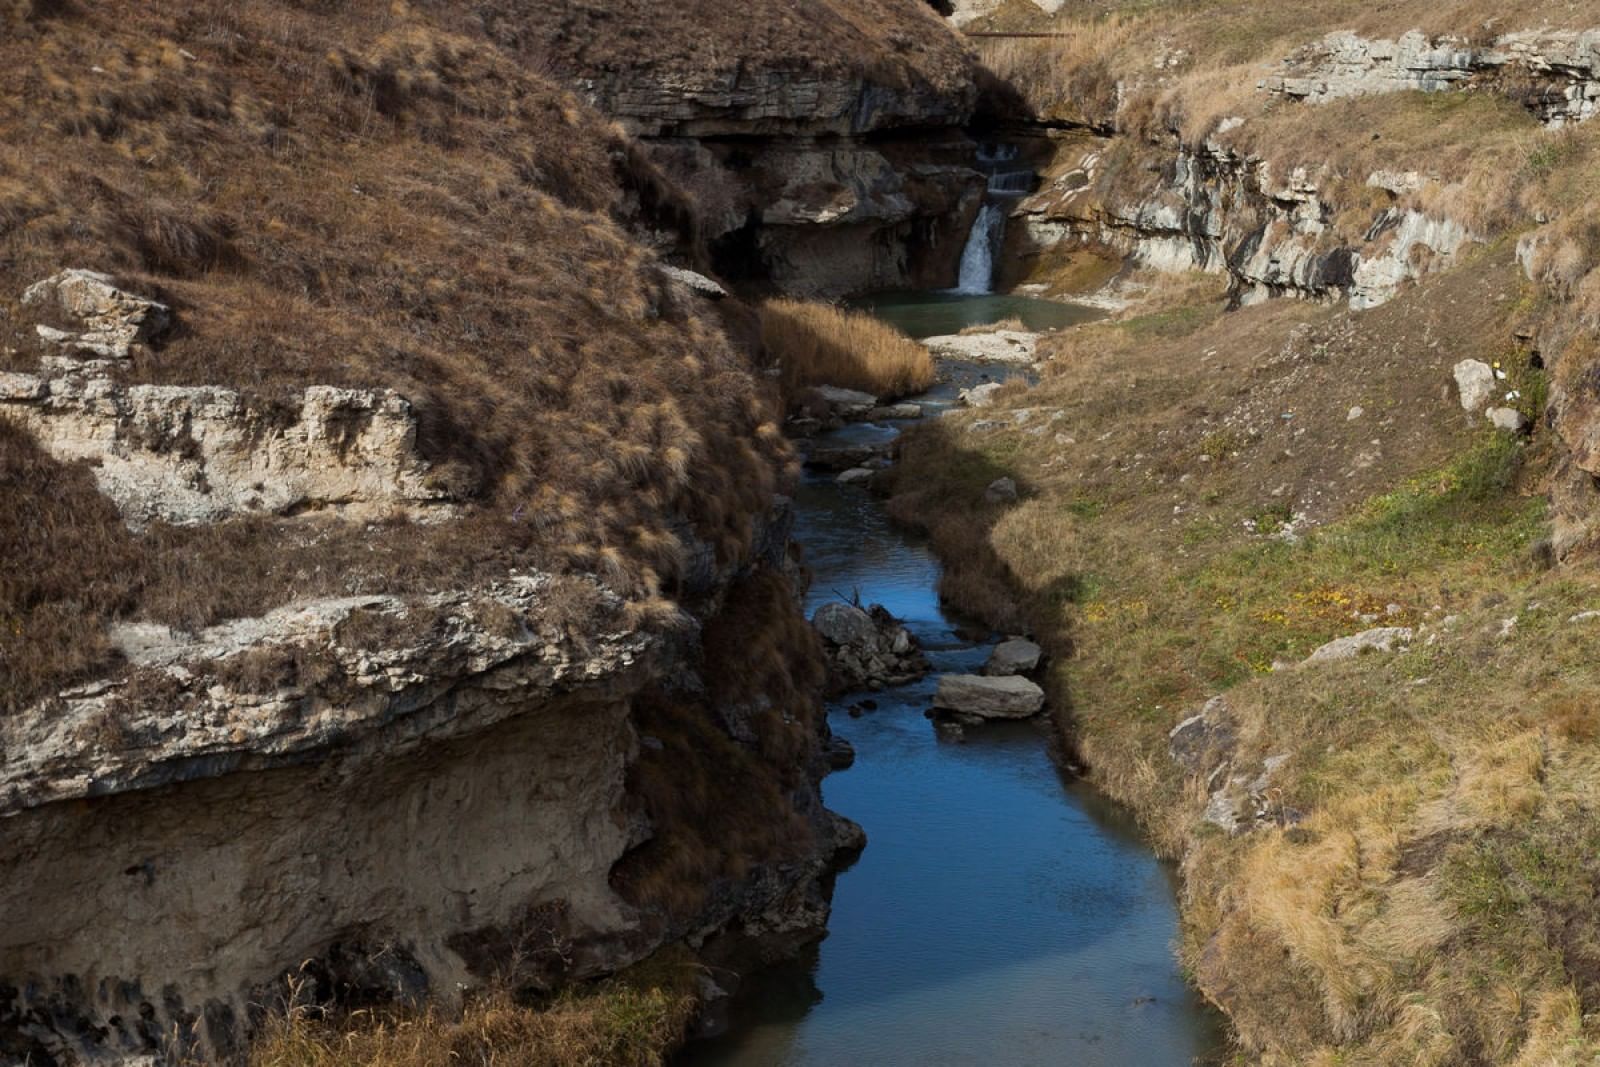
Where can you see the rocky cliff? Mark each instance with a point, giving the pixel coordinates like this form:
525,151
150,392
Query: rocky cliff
824,145
1194,177
398,599
388,799
1213,208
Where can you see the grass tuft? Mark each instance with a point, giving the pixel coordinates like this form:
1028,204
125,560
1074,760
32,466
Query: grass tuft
819,344
633,1020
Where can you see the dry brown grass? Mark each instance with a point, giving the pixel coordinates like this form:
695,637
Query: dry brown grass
370,194
632,1021
720,805
68,559
820,344
1066,79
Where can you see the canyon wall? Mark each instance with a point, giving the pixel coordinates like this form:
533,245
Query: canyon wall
380,799
400,600
825,149
1170,198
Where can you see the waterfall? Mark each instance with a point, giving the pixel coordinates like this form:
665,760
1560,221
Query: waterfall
1005,184
977,259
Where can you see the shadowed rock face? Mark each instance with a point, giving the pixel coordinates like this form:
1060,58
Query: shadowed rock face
199,896
830,158
396,798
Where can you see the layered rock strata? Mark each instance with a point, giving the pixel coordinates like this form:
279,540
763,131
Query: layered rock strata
1273,230
819,178
1215,209
1555,74
376,798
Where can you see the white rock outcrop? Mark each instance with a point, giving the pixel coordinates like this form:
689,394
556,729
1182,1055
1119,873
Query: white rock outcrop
980,396
1557,72
189,455
108,321
52,749
1381,639
1219,209
1475,384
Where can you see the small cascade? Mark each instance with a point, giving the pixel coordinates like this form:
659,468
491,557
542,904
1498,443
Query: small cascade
1006,183
977,260
1011,184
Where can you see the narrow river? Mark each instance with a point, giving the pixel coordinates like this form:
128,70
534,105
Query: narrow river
1002,914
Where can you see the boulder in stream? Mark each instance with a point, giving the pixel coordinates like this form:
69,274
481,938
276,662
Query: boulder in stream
846,403
1016,656
980,396
867,649
856,476
1010,697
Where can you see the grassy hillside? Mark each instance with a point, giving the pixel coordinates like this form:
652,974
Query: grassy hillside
361,194
1168,73
1207,498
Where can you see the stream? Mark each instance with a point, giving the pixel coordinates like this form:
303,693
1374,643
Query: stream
1002,914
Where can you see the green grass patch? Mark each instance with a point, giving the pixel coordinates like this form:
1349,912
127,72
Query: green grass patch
1234,611
1176,322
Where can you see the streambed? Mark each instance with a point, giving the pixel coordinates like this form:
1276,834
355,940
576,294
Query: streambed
1002,914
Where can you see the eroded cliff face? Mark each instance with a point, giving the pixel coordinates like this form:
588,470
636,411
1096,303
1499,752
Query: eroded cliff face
400,597
824,148
1172,199
393,799
1216,209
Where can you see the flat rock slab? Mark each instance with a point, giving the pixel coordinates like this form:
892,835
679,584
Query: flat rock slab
1010,697
856,476
1383,639
844,624
1015,656
998,346
846,403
